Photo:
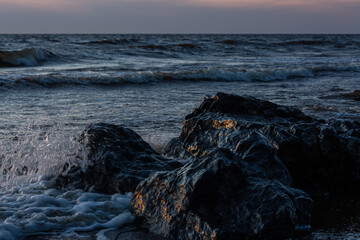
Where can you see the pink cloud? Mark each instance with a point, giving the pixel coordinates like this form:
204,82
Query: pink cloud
82,6
271,3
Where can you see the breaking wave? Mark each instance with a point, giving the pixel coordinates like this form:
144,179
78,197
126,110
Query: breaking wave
145,77
30,203
24,58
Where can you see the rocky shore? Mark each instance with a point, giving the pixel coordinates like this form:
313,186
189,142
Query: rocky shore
242,168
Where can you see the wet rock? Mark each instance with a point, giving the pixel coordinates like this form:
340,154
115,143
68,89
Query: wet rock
137,232
220,196
246,160
353,95
119,159
322,157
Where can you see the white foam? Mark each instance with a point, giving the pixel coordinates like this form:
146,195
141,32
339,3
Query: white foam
29,205
37,156
68,213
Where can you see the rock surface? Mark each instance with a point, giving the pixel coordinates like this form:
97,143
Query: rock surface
322,157
220,197
119,160
245,156
246,161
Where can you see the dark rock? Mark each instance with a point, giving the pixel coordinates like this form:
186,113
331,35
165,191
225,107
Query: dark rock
244,160
322,157
220,196
132,232
353,95
249,106
119,160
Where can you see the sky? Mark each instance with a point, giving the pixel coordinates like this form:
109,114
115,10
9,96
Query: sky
179,16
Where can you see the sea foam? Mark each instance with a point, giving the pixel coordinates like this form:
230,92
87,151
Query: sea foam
68,213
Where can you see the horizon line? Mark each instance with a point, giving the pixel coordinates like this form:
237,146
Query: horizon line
180,33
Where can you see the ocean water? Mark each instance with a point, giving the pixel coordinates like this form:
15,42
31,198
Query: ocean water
52,86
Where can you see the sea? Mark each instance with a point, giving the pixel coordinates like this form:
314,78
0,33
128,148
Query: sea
53,85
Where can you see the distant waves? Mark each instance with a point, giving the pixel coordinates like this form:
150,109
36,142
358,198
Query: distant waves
116,59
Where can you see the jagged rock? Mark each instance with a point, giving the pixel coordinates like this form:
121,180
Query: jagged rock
322,157
245,158
220,196
119,159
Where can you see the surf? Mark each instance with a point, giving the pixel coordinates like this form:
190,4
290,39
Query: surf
28,57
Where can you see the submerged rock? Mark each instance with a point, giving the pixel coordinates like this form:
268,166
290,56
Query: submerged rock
220,197
118,160
322,157
353,95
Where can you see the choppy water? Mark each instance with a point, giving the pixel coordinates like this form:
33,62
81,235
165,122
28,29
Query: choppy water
52,86
117,59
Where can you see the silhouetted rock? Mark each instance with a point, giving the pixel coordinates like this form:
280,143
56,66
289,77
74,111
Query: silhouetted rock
220,196
322,157
119,159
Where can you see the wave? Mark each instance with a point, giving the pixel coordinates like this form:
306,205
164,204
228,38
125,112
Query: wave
30,203
230,42
271,43
146,77
152,47
169,47
285,42
26,57
185,45
109,41
307,42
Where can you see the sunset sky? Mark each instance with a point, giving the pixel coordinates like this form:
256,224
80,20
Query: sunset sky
179,16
